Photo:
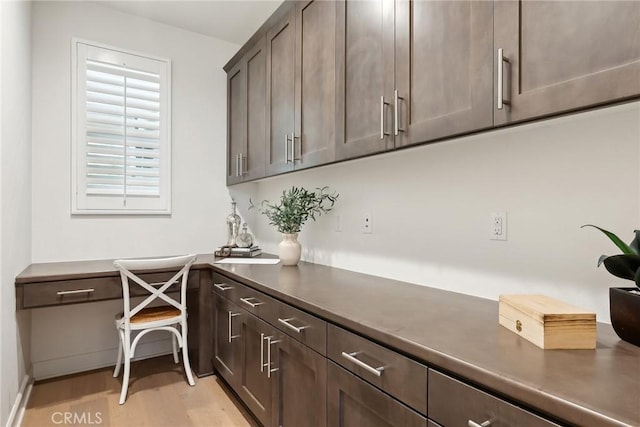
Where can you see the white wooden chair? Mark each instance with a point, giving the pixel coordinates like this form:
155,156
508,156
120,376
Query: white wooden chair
171,317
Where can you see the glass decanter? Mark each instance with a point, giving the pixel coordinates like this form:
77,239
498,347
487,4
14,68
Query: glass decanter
233,226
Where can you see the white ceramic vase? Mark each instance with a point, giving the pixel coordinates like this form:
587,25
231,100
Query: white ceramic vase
290,249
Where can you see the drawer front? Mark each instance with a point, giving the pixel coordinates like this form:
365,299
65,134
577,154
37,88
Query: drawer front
298,324
399,376
454,403
301,326
95,289
71,291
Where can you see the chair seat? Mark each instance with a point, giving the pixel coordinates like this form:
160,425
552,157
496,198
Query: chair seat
153,314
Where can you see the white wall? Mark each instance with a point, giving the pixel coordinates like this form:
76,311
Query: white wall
200,199
15,195
431,204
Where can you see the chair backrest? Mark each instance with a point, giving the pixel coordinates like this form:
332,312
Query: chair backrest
156,290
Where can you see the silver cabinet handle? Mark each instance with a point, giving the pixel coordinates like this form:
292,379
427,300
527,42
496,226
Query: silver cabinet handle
286,323
261,352
237,165
269,343
243,164
222,286
251,304
293,147
77,291
231,316
286,148
500,95
472,423
396,107
352,358
382,104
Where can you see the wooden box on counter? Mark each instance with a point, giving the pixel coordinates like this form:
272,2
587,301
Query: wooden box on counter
548,323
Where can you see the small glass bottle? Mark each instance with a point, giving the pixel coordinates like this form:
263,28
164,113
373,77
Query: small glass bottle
233,226
244,239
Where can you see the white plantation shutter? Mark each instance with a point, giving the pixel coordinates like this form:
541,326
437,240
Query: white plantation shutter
122,145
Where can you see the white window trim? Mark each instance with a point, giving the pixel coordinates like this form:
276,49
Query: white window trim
166,173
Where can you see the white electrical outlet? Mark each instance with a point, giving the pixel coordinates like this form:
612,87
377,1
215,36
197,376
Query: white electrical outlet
498,226
367,224
338,224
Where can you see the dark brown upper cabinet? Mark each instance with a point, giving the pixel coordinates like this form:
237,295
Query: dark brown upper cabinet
410,72
443,69
365,44
301,88
246,107
555,56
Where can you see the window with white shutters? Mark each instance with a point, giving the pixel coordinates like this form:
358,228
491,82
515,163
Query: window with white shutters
121,148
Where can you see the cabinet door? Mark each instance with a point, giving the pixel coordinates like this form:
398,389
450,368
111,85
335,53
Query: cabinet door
365,67
444,69
281,95
255,384
236,119
299,384
565,55
253,166
227,318
353,402
315,83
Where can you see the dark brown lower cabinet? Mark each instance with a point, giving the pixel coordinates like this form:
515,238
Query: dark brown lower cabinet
299,384
353,402
454,403
226,346
281,381
255,389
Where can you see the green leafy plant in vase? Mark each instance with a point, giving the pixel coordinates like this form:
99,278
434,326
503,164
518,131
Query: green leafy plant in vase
296,206
624,303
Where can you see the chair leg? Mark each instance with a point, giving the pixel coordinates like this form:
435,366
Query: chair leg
185,353
116,370
174,344
127,368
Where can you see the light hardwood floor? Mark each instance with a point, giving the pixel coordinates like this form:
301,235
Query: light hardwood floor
158,396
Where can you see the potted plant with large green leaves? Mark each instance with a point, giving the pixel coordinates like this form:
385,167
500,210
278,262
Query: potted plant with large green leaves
296,206
624,303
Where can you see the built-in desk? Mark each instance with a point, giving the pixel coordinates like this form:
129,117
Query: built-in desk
62,283
454,334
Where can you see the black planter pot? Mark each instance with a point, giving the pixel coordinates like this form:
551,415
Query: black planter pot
624,308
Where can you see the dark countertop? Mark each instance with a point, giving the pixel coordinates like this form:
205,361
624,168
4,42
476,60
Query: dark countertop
454,333
460,334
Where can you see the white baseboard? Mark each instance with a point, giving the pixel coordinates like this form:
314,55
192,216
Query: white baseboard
19,406
86,362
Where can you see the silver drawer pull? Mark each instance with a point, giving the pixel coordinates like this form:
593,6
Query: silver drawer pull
286,323
222,286
251,304
352,358
77,291
472,423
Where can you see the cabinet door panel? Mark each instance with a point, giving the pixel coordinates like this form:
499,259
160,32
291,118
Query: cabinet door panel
255,386
280,94
315,83
444,68
353,402
236,106
226,351
300,385
566,55
365,73
256,111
